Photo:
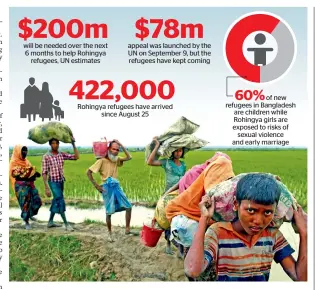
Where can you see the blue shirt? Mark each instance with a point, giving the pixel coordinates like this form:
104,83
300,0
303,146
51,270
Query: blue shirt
173,173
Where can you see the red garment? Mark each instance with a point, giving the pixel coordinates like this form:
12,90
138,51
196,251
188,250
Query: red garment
31,184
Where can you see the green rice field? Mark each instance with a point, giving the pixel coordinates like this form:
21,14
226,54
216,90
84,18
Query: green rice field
143,183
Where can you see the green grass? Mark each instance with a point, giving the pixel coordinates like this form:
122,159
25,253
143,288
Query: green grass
37,257
143,183
93,222
20,271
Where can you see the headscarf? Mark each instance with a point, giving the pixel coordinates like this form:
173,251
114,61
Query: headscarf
17,160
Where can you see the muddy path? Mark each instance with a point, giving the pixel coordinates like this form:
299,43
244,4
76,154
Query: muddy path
126,257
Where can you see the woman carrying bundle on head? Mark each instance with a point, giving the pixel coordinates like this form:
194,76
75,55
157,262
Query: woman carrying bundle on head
174,167
174,170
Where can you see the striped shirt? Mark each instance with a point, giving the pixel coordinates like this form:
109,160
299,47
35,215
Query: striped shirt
240,260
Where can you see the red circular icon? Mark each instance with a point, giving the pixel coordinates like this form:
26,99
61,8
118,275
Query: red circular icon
260,22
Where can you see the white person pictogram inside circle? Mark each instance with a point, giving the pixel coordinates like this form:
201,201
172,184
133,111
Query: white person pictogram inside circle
260,48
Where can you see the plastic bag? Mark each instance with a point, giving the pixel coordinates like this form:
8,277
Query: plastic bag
100,148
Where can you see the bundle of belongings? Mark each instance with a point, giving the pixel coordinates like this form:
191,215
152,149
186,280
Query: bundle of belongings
41,134
179,135
183,212
194,182
224,195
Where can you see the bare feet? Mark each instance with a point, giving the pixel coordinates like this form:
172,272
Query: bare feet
180,255
169,251
110,238
131,233
53,225
69,228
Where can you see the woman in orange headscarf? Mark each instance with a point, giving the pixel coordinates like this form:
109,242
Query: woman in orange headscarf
23,175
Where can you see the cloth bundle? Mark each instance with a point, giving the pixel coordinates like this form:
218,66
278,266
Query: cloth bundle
159,213
184,225
187,203
224,194
192,174
178,135
41,134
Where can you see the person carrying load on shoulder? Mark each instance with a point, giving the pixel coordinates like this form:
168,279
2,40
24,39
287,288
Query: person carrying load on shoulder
54,179
114,198
183,212
244,249
193,173
174,170
185,182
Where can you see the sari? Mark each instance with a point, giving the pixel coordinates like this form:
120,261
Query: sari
28,198
22,175
17,161
191,175
187,203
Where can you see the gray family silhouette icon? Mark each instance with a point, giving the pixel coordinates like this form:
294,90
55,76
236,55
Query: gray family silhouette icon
40,102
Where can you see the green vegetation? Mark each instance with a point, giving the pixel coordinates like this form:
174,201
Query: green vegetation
91,222
143,183
48,258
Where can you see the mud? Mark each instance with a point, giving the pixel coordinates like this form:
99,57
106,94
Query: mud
130,260
126,257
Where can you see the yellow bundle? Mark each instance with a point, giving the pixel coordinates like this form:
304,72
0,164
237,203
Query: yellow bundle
160,214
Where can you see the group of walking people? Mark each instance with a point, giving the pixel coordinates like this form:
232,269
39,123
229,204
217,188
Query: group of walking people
23,174
241,250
